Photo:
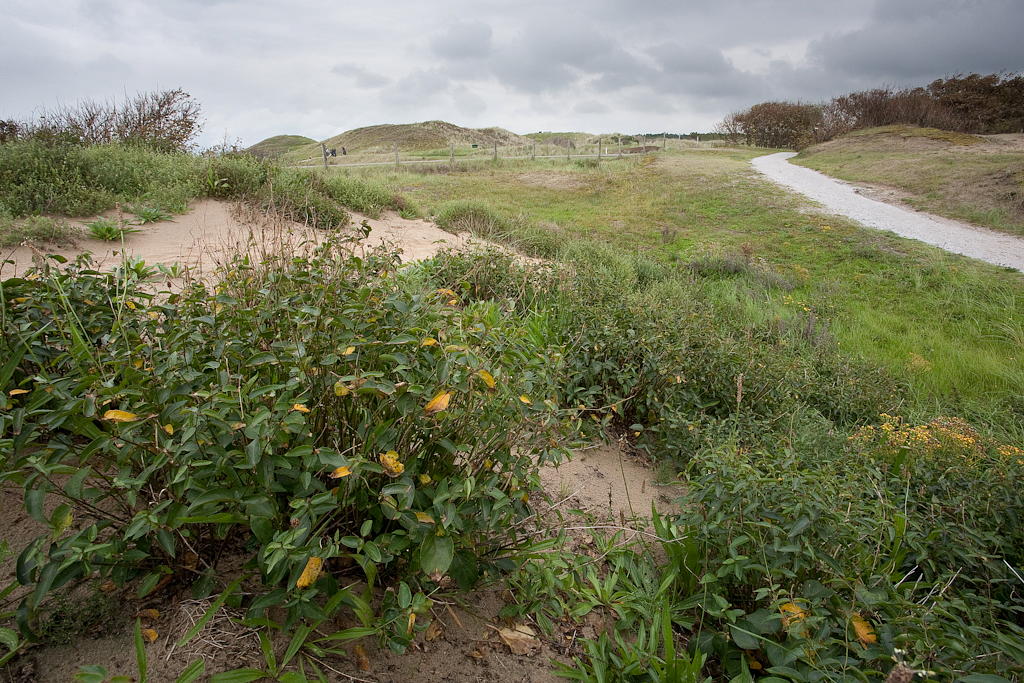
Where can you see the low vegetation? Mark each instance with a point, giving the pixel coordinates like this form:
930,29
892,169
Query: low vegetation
337,446
961,176
37,230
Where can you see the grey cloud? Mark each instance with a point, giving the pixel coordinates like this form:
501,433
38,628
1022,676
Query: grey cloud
590,107
918,40
463,40
362,77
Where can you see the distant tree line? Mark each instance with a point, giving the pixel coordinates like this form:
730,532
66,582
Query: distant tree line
973,103
166,121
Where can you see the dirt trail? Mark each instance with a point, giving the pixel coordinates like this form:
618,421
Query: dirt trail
844,199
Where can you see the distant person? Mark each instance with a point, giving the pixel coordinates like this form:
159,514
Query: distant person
343,151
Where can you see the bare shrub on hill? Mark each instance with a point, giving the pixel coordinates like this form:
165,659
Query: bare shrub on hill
167,120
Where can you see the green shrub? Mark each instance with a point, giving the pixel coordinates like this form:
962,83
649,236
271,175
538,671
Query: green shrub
237,176
475,217
303,197
109,230
35,229
823,562
362,195
309,415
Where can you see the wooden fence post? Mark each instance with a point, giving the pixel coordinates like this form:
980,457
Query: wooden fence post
599,150
451,157
324,147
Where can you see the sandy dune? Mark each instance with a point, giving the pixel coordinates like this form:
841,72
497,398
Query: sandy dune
212,229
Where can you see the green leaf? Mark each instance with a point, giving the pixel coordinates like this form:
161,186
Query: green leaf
192,672
436,554
743,639
9,638
354,633
140,652
91,673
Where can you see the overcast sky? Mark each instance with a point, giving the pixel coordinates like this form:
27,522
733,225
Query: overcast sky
318,67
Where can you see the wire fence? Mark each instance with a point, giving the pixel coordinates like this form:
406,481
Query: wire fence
601,149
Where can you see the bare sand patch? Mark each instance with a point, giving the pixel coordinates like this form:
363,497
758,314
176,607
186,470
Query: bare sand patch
212,230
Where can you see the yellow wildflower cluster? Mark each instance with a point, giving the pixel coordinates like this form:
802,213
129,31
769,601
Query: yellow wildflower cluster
943,436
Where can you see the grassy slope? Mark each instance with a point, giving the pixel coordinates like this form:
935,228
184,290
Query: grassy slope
428,135
967,177
952,326
276,146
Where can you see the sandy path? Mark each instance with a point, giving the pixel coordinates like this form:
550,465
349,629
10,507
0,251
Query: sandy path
843,199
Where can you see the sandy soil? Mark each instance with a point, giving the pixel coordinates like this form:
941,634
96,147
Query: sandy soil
601,487
212,229
841,198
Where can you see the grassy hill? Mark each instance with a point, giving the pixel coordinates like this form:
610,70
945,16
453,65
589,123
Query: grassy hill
276,146
410,137
977,178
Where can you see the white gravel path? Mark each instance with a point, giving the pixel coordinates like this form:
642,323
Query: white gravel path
843,199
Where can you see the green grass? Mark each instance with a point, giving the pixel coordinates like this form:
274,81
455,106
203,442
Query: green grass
278,145
36,230
960,176
935,319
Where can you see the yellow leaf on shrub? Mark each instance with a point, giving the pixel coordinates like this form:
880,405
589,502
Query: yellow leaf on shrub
17,392
438,403
137,363
149,614
340,472
525,399
391,463
19,300
311,572
425,518
341,389
425,479
130,304
119,416
153,315
792,613
865,634
169,428
429,341
237,425
488,378
349,351
300,407
410,623
150,634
